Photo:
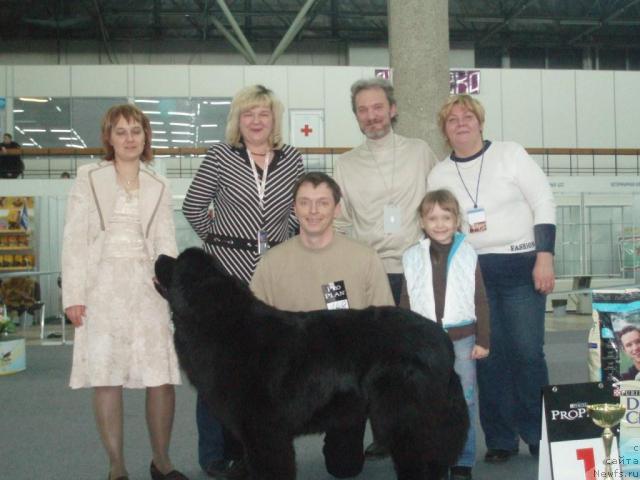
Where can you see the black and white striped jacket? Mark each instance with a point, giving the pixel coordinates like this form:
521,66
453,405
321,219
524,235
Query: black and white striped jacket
226,179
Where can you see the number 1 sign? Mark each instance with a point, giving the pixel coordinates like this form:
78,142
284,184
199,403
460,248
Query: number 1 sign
571,446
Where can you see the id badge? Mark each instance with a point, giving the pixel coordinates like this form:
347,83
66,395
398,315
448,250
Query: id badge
335,295
263,243
392,219
477,218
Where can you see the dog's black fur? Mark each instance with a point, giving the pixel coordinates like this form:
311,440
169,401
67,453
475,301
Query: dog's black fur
270,375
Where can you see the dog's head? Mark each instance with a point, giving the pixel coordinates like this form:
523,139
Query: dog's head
195,284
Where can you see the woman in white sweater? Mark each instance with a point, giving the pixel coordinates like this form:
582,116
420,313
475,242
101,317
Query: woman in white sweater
510,215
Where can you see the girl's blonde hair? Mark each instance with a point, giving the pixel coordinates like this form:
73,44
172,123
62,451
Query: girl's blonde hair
246,99
444,199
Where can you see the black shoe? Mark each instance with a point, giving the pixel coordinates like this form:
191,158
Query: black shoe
375,451
228,469
534,449
497,455
172,475
460,473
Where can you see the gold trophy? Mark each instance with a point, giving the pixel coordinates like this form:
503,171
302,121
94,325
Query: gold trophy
606,415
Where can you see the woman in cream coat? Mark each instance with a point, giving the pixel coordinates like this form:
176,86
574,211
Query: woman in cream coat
119,219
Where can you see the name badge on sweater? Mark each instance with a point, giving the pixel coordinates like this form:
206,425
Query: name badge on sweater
477,218
335,295
392,219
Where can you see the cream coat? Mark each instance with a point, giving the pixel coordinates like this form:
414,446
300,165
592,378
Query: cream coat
89,207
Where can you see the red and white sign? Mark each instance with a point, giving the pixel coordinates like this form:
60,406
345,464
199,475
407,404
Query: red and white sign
307,128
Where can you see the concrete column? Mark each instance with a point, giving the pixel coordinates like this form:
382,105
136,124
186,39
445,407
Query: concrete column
419,57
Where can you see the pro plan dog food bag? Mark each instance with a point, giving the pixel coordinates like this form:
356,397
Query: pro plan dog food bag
614,338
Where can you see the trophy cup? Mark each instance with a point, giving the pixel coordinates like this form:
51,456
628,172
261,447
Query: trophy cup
606,415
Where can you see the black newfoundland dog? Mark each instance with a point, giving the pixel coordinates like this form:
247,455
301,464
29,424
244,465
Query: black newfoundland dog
270,375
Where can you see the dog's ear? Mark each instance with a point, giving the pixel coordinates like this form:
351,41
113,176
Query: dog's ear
164,272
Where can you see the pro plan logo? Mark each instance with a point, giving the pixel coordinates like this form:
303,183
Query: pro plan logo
577,411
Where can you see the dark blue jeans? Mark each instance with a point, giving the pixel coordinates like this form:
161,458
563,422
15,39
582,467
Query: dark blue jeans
210,436
510,379
215,442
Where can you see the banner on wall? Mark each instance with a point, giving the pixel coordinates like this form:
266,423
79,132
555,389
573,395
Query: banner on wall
464,81
460,81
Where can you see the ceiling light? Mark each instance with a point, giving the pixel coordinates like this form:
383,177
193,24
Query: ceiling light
34,99
140,100
184,114
151,112
35,130
211,141
59,130
18,111
181,141
182,133
175,124
209,125
156,123
221,102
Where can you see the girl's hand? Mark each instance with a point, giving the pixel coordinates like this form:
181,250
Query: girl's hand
75,313
479,352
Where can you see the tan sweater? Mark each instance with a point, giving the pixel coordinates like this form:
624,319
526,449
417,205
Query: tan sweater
391,170
290,276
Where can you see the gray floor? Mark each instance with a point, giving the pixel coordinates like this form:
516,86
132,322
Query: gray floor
47,431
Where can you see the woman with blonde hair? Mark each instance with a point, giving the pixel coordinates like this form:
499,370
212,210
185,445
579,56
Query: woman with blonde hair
249,180
509,212
119,219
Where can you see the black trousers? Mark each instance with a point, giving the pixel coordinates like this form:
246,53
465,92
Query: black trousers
343,454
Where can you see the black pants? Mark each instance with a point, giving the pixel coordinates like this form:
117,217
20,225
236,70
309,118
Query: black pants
395,282
343,455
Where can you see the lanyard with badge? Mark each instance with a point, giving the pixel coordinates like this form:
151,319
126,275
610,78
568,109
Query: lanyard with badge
392,213
476,216
261,185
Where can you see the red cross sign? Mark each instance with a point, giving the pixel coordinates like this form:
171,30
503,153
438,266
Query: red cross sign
306,130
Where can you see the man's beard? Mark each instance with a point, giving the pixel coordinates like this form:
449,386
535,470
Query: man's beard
376,134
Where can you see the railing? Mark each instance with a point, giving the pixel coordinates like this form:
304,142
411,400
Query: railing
183,162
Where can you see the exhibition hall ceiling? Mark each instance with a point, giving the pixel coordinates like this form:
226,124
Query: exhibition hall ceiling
474,23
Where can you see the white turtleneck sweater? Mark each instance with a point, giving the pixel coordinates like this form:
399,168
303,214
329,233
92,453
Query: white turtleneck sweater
392,170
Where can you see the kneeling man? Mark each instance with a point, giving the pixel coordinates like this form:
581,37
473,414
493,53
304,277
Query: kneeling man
320,269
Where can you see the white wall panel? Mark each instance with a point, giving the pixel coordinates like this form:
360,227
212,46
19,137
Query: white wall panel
215,81
627,109
521,107
306,87
595,110
42,81
559,108
4,72
342,129
491,98
161,81
99,81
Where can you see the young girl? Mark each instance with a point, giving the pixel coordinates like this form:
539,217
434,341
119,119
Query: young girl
444,284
